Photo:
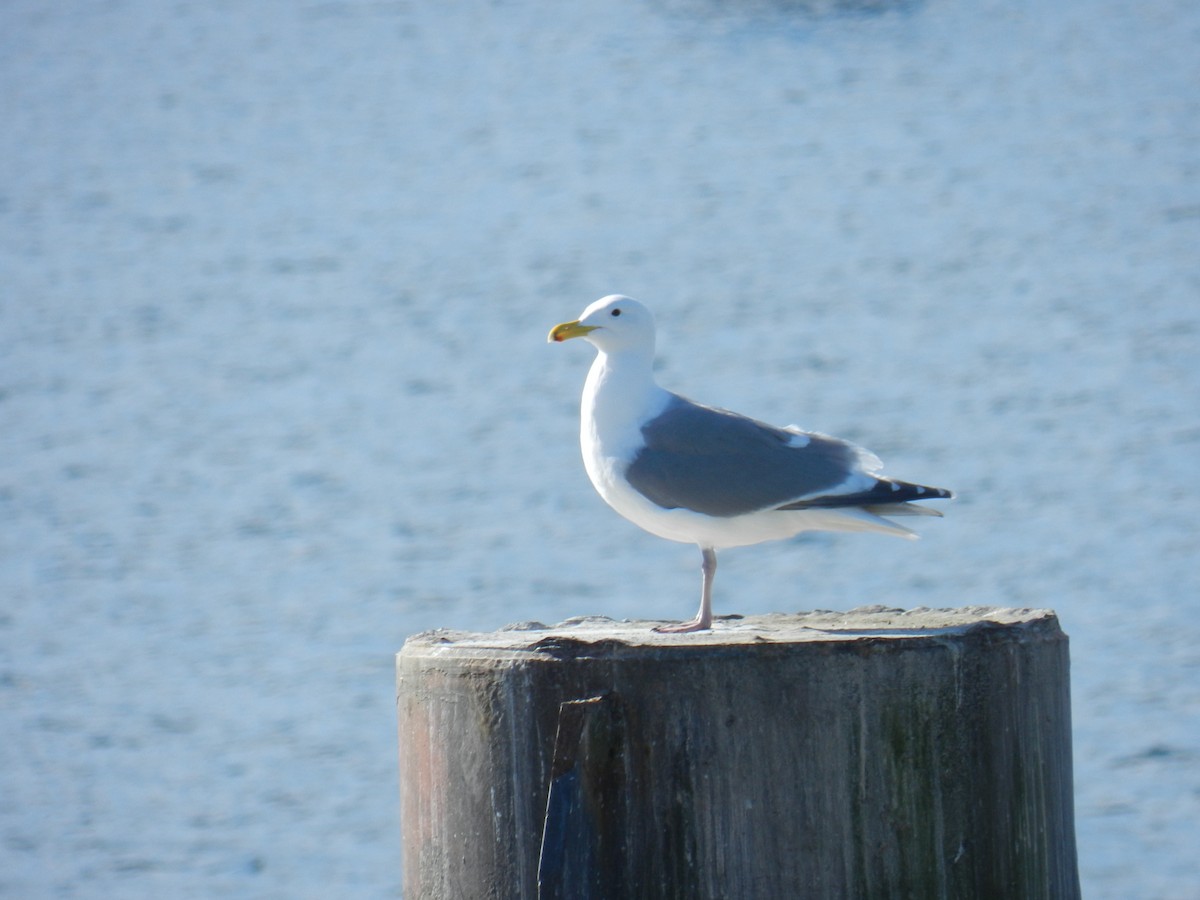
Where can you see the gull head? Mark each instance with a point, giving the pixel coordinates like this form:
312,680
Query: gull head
611,324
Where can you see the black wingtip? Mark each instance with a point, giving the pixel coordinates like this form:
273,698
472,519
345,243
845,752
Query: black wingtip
883,492
909,491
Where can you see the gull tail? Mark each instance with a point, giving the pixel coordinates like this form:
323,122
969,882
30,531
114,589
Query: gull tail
860,518
902,509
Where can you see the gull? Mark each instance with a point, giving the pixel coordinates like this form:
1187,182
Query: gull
707,476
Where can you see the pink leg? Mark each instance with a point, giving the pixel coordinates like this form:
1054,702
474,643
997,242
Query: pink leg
703,620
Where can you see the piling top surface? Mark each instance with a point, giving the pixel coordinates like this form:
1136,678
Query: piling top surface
867,623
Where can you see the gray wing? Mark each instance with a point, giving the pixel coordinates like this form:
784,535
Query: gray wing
723,464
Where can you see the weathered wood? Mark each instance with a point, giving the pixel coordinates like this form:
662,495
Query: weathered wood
877,753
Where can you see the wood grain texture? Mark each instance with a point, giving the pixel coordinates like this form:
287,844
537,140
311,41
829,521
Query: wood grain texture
876,753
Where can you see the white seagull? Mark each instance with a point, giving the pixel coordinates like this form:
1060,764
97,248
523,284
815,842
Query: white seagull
707,476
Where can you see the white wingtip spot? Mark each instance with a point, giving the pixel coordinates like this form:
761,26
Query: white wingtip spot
799,439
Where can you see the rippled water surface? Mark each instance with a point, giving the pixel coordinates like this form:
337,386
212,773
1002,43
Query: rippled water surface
275,393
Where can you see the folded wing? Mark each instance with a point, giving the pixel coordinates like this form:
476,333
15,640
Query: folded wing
719,463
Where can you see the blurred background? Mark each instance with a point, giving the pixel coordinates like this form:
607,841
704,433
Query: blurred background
275,282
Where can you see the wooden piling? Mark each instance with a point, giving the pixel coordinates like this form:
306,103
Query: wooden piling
877,753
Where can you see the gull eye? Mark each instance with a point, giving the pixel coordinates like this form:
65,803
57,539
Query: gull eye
615,313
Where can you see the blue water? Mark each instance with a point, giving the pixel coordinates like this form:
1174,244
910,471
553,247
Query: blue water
275,281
